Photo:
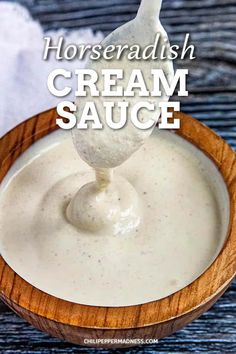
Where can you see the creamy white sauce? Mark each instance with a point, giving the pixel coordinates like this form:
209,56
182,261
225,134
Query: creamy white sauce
107,148
132,237
184,206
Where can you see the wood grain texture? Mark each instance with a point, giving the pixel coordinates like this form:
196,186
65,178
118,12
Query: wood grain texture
212,100
74,322
211,333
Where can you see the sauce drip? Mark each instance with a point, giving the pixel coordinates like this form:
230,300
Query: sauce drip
105,149
103,178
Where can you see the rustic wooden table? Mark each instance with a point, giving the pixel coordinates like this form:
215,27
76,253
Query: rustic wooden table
212,86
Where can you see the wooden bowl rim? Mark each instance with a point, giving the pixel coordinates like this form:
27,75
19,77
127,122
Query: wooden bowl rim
15,290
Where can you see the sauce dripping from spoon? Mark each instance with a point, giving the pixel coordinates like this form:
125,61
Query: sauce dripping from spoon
105,202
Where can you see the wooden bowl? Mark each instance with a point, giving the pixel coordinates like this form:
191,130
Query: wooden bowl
78,323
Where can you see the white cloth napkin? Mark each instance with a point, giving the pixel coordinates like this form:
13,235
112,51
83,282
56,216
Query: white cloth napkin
23,73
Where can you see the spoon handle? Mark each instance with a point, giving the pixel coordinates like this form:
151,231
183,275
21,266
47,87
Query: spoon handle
150,8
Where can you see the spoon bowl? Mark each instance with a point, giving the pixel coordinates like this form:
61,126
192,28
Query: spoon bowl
109,148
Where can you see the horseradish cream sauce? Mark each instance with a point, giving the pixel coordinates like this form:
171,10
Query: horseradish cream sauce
108,148
185,213
110,203
128,236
